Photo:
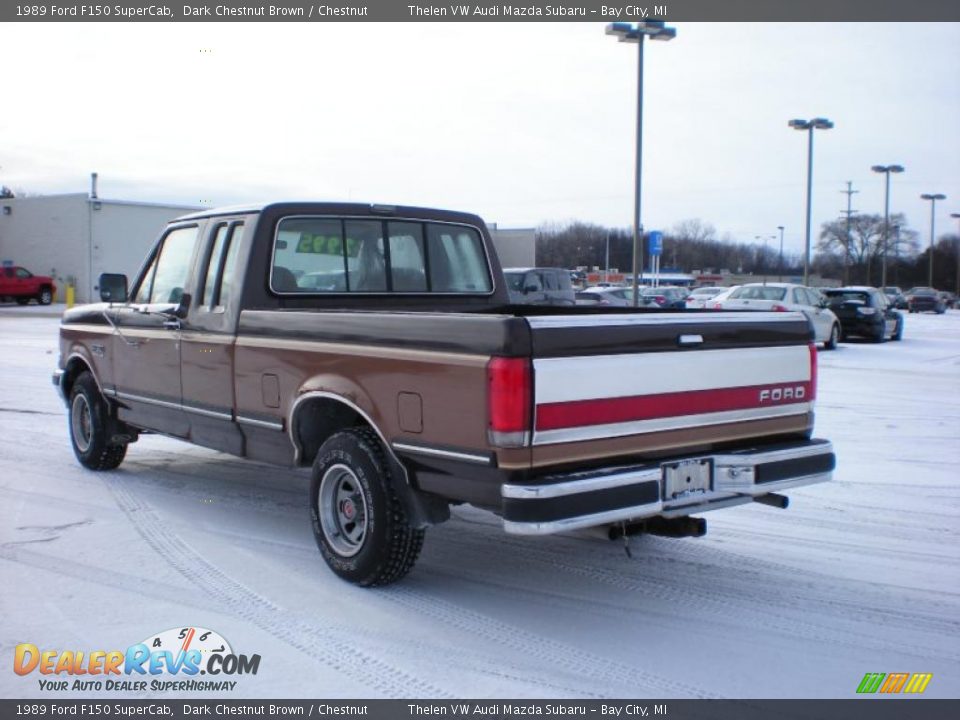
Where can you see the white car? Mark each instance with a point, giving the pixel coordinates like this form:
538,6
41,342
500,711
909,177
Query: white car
698,297
785,297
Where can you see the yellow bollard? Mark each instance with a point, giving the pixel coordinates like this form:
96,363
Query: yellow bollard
71,296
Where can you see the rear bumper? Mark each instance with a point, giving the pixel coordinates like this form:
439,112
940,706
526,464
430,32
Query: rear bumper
613,495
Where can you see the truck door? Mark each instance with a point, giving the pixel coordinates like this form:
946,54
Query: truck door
208,340
146,348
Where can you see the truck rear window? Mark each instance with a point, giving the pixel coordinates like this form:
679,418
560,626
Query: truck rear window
315,255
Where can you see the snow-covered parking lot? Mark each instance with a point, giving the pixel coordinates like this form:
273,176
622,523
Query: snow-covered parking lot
859,575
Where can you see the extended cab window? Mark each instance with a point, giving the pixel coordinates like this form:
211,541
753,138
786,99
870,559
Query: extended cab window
329,255
220,266
166,276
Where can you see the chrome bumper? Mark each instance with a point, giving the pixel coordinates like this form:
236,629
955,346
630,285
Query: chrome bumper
569,502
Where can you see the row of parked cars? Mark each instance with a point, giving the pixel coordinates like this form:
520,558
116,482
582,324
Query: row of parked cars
834,313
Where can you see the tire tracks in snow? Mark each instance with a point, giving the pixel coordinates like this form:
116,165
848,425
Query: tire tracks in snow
319,643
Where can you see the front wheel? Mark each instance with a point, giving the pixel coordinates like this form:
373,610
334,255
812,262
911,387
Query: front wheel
89,427
45,297
831,344
359,523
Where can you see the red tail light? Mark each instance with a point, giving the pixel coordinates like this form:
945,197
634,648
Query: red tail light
777,307
510,397
813,371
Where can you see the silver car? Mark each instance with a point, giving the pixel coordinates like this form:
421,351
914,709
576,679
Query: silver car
788,297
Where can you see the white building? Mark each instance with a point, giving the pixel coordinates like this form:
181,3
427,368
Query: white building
75,237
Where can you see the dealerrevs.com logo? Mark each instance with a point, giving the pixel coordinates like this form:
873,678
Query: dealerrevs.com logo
171,660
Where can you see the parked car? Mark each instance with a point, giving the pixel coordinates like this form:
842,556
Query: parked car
783,297
665,296
698,297
865,312
17,283
949,298
613,296
716,302
925,299
539,286
896,297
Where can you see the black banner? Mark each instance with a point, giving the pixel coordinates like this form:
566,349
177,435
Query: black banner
524,10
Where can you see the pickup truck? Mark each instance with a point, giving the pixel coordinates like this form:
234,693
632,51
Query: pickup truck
376,345
17,283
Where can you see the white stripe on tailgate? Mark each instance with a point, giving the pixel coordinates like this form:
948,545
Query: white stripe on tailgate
610,376
664,318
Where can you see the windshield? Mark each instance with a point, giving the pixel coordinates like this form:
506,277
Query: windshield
759,292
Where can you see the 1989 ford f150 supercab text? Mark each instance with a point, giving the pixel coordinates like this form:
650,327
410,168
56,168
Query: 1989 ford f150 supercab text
377,346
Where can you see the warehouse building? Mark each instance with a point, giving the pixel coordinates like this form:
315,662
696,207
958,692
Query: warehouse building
75,237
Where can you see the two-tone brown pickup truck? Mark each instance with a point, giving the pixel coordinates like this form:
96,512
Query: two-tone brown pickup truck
377,345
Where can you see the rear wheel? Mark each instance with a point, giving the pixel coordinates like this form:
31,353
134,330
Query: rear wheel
22,301
831,343
359,523
898,335
880,334
90,427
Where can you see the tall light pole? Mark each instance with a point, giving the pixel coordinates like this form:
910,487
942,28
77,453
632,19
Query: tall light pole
933,205
956,216
780,260
810,126
629,33
886,170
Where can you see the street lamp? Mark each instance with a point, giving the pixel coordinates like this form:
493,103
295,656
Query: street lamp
810,126
780,260
933,204
957,291
886,170
629,33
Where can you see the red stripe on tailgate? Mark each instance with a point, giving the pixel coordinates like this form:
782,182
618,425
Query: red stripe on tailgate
578,413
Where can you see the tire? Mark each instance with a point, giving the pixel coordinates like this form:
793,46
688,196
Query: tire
831,343
23,301
88,422
45,297
898,335
880,336
359,523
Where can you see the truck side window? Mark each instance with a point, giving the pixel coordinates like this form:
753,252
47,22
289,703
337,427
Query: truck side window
173,265
229,263
223,259
308,256
213,265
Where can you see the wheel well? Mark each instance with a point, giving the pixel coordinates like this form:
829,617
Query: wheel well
76,366
319,418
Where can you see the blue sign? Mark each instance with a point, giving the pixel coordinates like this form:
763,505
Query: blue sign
655,243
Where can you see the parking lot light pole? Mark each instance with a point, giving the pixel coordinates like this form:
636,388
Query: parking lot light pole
780,260
933,205
629,33
810,126
956,216
886,170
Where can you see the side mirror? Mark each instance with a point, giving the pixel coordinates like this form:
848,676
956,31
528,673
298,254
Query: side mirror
183,307
113,288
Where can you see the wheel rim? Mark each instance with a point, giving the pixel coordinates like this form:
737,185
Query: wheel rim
834,336
45,297
343,510
81,422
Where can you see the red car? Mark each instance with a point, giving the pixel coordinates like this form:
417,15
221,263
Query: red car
17,283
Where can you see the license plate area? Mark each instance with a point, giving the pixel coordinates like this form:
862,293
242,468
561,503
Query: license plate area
687,479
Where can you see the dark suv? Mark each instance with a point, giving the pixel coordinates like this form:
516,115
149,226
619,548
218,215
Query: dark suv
865,312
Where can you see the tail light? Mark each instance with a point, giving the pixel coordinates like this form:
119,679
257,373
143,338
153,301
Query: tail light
813,371
510,398
718,306
777,307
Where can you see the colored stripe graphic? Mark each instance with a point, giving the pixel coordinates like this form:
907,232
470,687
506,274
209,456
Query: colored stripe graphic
918,682
606,411
894,682
870,682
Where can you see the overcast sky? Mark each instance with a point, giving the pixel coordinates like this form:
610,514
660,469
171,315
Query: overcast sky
522,123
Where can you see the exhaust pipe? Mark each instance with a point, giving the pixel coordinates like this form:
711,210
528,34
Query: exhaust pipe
664,527
773,500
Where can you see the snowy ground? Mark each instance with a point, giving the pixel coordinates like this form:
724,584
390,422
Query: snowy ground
861,575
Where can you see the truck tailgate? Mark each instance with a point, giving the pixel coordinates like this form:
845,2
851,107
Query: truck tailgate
607,385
